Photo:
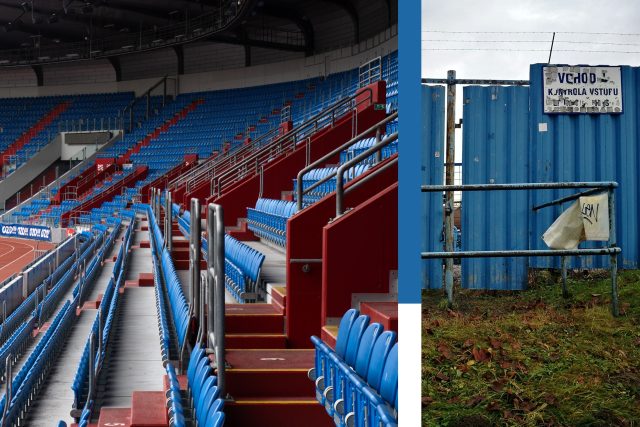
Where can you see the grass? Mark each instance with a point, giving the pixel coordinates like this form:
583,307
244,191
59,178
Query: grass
533,358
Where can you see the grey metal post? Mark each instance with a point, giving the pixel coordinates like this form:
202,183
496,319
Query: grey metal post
449,180
168,216
215,273
378,139
194,252
340,190
36,308
91,367
202,324
100,325
613,241
8,389
194,272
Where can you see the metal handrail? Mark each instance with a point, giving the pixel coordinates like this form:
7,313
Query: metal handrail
612,249
205,171
216,285
300,192
147,94
357,159
222,162
290,140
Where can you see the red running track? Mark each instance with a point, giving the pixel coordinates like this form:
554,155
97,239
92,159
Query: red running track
15,254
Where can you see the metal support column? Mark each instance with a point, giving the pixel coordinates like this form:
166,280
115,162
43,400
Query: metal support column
167,220
194,257
215,281
449,180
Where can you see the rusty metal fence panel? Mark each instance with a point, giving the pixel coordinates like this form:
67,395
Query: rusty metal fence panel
495,151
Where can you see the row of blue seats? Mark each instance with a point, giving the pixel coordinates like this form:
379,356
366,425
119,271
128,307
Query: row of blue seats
242,269
269,219
161,304
177,300
28,380
26,384
107,312
206,403
327,187
358,381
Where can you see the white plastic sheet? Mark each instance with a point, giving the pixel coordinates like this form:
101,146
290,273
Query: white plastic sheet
586,219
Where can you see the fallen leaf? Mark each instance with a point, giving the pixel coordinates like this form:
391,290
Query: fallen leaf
480,355
453,313
442,376
494,405
495,343
426,401
550,399
463,367
469,343
444,350
475,400
498,385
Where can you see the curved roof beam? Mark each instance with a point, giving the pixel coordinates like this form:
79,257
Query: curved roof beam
300,20
352,12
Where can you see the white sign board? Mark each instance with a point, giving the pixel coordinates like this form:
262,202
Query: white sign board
582,89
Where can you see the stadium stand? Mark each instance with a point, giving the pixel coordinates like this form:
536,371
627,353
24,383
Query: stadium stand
208,270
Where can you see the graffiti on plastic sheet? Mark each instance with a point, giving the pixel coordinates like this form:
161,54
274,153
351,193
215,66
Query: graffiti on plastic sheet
24,231
590,212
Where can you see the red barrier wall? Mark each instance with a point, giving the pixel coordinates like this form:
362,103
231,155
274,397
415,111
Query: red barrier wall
279,175
359,249
304,240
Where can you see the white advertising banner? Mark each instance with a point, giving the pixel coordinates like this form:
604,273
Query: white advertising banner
582,89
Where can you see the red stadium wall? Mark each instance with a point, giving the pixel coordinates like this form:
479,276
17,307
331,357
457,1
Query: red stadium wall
305,241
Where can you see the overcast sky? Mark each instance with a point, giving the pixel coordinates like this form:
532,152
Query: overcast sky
595,16
546,16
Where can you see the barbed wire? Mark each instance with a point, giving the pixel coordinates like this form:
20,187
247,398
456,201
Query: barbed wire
534,32
529,41
530,50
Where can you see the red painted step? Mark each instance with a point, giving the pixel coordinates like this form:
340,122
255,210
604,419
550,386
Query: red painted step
276,412
329,334
148,409
236,341
253,319
385,313
115,417
279,298
269,373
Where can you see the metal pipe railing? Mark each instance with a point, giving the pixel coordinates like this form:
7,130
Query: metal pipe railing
8,394
357,159
291,138
612,249
168,216
195,248
216,286
300,192
204,170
